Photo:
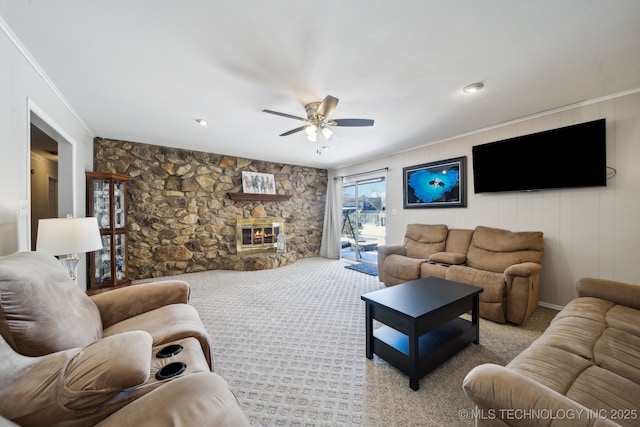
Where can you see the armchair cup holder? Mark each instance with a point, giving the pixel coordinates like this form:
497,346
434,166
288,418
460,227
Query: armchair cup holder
168,351
171,370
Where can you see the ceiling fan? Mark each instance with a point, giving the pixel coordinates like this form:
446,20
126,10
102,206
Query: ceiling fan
317,120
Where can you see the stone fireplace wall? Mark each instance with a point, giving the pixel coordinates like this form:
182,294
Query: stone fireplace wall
181,220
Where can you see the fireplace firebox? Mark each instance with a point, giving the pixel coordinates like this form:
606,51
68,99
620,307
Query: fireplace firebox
257,234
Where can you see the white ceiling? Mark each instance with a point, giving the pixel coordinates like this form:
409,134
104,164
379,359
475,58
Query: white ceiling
143,70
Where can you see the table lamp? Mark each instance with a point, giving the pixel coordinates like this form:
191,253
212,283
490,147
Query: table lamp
68,236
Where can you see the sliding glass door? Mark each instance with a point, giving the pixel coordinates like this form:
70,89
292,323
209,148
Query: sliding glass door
363,217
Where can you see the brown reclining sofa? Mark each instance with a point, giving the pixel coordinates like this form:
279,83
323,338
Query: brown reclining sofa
506,264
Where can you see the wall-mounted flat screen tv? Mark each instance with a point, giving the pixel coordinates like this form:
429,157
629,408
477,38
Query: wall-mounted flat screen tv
568,157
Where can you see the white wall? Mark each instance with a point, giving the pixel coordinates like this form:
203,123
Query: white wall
587,232
24,91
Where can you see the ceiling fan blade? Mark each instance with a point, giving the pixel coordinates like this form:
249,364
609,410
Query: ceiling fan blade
327,105
351,122
293,131
285,115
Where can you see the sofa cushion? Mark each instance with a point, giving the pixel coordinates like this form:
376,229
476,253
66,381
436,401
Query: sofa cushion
624,318
576,335
619,352
602,390
448,258
42,310
422,240
553,367
494,249
458,240
587,308
492,283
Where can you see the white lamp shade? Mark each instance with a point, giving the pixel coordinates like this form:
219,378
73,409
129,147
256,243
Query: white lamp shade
63,236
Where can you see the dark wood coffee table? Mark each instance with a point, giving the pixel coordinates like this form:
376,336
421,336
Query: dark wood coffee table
423,327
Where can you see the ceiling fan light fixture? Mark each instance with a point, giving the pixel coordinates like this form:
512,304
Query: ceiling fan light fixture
202,122
473,87
311,130
327,133
317,121
312,136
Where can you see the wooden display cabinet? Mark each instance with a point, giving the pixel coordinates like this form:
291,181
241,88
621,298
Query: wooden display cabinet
107,201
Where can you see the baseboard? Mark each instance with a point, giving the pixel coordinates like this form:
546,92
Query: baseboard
551,306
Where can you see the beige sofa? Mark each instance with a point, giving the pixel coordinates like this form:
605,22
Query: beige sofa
133,356
506,264
583,370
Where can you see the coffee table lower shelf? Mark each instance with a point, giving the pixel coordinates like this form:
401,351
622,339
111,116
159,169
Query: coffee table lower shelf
434,347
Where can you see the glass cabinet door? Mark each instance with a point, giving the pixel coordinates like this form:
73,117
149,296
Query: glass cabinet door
118,204
107,201
103,262
102,203
121,256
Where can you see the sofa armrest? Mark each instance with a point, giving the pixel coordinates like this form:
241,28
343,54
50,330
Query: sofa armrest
505,394
524,269
386,250
69,387
627,294
448,258
383,252
107,367
522,291
123,303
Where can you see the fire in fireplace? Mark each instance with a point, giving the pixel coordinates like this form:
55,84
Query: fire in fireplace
257,234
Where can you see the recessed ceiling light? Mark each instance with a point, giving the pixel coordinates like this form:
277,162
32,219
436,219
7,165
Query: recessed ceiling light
473,87
202,122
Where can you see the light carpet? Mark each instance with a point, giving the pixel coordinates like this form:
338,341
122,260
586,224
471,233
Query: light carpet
291,344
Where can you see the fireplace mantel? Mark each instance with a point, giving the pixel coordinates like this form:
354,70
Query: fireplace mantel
262,197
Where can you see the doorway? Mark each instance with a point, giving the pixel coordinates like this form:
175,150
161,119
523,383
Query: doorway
363,217
50,142
44,179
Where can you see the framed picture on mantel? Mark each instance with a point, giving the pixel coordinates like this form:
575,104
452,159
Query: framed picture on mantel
258,183
440,184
